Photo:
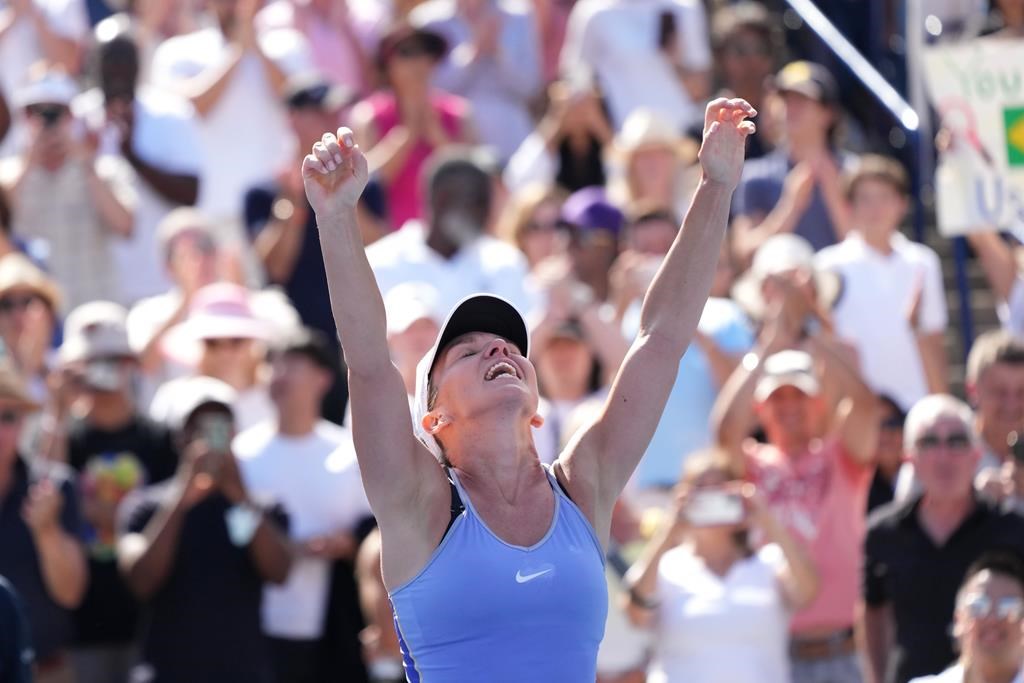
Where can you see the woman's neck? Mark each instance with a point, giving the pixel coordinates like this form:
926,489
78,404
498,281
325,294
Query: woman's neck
718,551
495,454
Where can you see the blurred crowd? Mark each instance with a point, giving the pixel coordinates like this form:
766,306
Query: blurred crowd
179,495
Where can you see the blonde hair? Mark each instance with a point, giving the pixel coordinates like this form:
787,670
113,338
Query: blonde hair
514,220
699,463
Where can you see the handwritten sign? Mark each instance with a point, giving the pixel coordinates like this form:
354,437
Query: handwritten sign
978,89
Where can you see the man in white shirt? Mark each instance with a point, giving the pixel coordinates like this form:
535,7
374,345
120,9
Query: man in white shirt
235,80
449,249
154,133
988,624
890,284
643,53
308,466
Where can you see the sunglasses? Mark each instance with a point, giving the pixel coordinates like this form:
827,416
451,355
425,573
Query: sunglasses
311,98
410,50
893,423
981,606
49,113
9,418
959,441
226,343
544,226
9,304
746,50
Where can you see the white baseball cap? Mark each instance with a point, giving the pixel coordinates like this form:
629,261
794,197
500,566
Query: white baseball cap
787,369
95,330
409,302
195,392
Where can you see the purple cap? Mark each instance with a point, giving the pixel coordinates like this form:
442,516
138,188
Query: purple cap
588,209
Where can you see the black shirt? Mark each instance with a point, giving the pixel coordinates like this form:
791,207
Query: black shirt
50,623
15,646
203,624
882,491
110,465
903,567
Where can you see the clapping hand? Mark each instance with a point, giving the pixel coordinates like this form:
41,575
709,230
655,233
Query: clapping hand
725,132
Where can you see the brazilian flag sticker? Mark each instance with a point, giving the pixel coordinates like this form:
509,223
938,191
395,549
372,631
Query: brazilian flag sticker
1014,119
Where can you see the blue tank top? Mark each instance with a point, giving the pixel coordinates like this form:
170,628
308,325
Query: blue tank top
486,611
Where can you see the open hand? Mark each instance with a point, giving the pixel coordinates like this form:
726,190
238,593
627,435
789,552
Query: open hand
334,173
725,133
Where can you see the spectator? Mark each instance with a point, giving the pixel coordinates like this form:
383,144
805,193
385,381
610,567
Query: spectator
62,194
39,527
999,262
719,609
567,147
308,466
413,322
797,188
114,450
278,216
229,344
995,387
449,249
493,61
656,164
29,305
382,652
945,528
889,283
987,623
339,33
889,453
551,18
8,243
15,643
38,30
1012,17
532,222
594,226
197,550
153,132
747,44
816,480
404,124
650,55
235,81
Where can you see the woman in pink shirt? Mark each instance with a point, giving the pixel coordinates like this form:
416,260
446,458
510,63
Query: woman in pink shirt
402,125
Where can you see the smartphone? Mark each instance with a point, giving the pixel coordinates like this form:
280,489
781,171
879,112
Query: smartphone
715,508
666,29
215,430
102,376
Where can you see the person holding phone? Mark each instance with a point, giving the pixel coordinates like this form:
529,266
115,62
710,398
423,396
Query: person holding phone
719,609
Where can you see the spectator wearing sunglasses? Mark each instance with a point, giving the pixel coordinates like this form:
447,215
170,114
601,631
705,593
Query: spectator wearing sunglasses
918,551
988,624
65,195
39,527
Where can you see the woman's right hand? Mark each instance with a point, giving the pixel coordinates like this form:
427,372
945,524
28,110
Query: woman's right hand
334,173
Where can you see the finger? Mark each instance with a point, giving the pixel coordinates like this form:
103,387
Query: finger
738,103
321,153
347,139
711,112
311,165
333,148
747,128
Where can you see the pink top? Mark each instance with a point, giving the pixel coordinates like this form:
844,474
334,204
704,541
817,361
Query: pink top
403,193
820,496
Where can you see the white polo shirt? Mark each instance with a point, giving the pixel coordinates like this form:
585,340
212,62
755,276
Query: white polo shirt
485,265
316,480
955,674
872,312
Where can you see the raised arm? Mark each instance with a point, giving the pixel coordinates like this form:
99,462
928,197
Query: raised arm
601,459
397,470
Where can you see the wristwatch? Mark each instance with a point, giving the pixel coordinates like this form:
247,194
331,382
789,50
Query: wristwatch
242,520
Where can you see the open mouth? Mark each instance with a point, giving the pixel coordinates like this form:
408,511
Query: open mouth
501,369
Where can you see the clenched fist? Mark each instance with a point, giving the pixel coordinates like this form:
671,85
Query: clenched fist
725,133
334,173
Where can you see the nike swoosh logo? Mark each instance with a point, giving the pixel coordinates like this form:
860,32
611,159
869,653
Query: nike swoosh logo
523,578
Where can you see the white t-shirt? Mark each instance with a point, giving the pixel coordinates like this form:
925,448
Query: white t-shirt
252,406
618,40
245,135
877,292
165,135
486,265
21,47
713,629
316,479
955,674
